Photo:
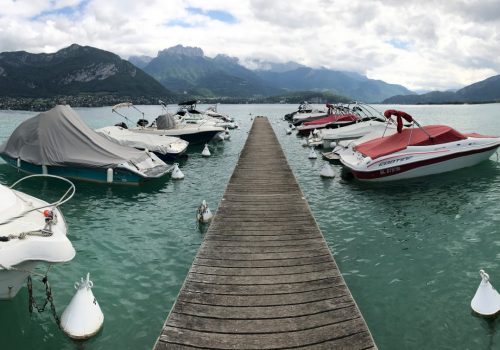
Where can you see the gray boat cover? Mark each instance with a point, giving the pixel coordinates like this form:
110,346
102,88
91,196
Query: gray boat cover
60,137
165,122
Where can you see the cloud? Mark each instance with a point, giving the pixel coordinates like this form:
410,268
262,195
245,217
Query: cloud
422,45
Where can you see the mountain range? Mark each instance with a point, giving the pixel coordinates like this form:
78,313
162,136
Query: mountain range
187,70
73,70
487,90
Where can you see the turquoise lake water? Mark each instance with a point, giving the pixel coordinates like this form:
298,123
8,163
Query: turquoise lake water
409,251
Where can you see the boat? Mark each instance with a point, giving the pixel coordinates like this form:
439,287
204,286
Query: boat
417,151
372,128
58,142
32,232
305,110
370,120
345,145
169,125
329,121
211,112
192,130
167,148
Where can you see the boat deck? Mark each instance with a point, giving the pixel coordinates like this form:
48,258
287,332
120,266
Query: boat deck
264,277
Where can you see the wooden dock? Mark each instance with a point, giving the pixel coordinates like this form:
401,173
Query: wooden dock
264,277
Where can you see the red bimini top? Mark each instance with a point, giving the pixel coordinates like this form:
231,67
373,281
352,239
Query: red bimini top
386,145
332,118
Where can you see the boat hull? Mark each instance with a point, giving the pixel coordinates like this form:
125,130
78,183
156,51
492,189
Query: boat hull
120,175
424,167
192,136
11,281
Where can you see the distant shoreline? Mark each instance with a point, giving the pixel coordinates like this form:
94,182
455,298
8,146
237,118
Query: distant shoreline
46,103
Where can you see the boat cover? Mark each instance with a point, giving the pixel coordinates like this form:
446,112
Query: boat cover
166,122
409,137
59,137
152,142
333,118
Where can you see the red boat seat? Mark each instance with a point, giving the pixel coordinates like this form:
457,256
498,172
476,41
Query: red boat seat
409,137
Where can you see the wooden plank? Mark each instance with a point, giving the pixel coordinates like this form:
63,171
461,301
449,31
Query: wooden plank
264,277
307,337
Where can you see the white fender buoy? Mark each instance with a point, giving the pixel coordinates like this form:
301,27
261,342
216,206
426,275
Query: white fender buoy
227,135
177,174
327,171
312,154
83,317
109,175
204,215
486,301
206,151
288,131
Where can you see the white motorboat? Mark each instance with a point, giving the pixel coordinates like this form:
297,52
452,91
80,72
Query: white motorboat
305,110
353,131
192,130
167,148
345,145
32,232
189,107
170,125
417,151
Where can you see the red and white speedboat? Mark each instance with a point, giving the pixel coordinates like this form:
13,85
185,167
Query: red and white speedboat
417,151
330,121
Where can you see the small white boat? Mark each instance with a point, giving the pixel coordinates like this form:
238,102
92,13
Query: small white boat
168,124
32,232
304,111
353,131
415,152
167,148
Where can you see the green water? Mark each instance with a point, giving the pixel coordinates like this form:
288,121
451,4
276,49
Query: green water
409,251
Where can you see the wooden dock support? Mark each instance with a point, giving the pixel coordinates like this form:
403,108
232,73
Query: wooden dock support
264,277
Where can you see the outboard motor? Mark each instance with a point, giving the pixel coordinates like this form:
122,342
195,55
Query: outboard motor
142,123
122,125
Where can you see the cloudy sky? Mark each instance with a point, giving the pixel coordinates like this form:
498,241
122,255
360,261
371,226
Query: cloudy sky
423,45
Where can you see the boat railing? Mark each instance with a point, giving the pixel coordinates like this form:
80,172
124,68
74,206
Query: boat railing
70,192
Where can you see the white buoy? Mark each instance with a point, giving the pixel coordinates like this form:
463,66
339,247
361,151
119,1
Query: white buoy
206,151
305,143
44,170
204,215
18,162
227,135
327,171
486,301
83,317
177,173
312,154
288,131
109,175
